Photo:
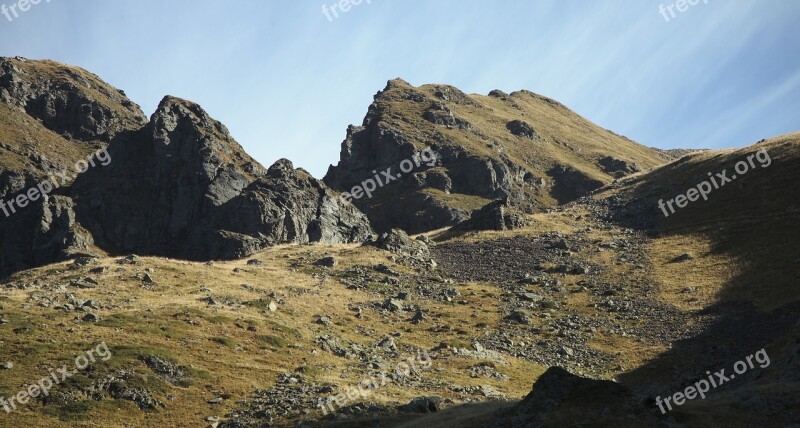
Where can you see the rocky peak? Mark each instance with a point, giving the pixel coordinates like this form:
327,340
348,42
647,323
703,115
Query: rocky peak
281,168
495,147
67,100
206,198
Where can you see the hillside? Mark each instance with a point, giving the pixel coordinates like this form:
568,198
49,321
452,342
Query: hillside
554,275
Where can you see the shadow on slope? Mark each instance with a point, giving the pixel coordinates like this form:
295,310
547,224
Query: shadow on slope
753,220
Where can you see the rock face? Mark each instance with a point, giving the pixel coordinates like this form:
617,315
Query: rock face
46,232
176,186
183,187
487,148
67,100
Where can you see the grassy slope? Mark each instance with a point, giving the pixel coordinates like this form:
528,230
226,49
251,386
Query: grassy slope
154,319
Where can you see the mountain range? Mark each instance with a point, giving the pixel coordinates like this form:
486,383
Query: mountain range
525,251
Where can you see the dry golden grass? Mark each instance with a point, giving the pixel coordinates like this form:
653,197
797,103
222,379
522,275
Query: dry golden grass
228,358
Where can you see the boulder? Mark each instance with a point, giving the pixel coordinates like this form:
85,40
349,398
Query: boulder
497,215
422,405
617,167
397,241
521,129
560,398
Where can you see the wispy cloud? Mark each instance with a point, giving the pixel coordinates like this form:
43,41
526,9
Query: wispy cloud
287,81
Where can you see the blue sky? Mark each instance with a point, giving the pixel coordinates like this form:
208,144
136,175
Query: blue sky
287,81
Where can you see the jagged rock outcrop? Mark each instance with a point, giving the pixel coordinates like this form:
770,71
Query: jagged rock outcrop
183,187
494,147
45,232
176,186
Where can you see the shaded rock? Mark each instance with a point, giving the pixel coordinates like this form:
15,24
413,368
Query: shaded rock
387,343
328,261
207,198
85,283
84,261
422,405
561,244
519,317
439,114
617,167
131,259
408,203
570,183
167,369
90,318
530,297
418,317
46,232
393,305
71,102
558,396
685,257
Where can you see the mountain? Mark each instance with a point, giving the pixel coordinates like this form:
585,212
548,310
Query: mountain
177,185
523,147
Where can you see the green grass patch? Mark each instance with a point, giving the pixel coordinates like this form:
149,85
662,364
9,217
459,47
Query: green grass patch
226,341
549,304
266,340
144,324
457,343
310,372
284,329
70,412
